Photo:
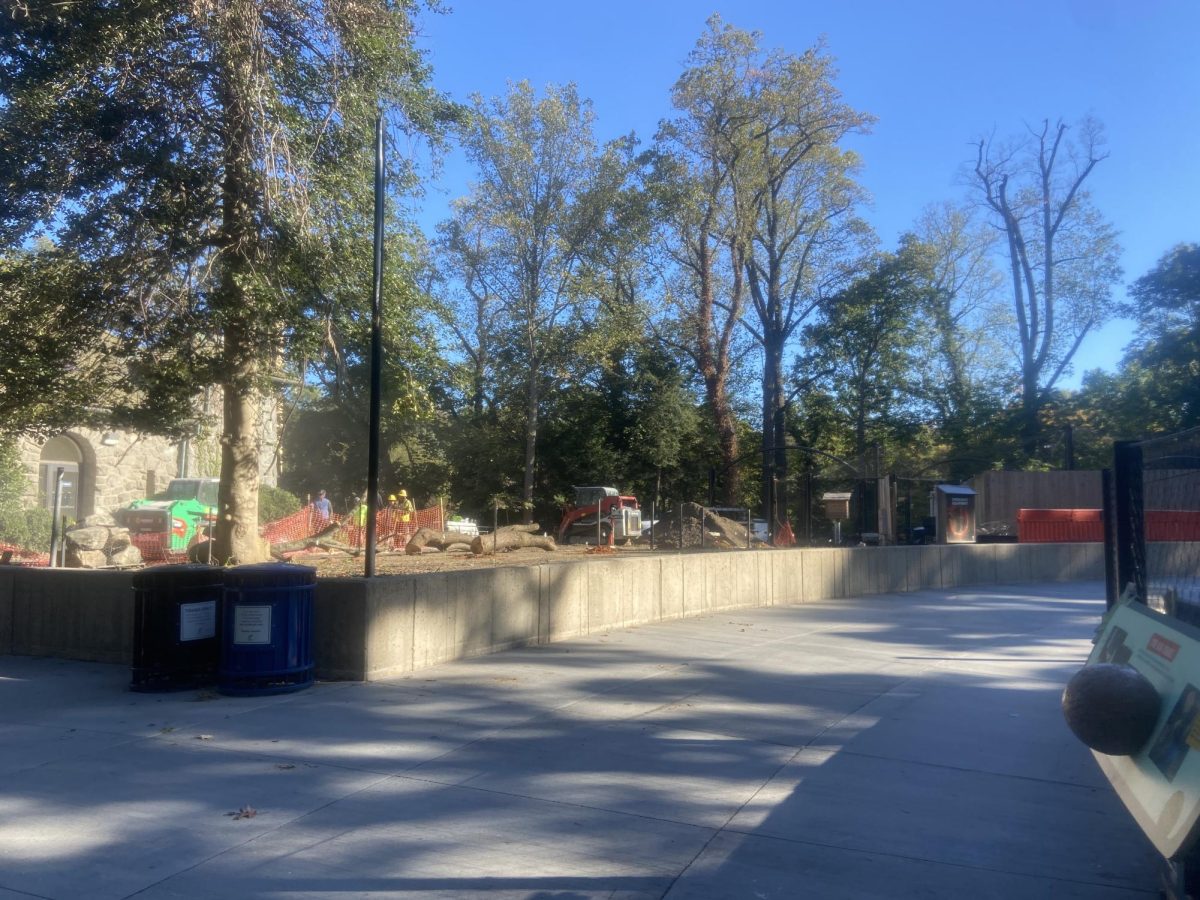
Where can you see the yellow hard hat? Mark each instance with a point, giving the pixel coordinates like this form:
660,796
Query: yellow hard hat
403,493
392,496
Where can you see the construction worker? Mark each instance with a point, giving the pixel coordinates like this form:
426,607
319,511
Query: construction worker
361,512
405,506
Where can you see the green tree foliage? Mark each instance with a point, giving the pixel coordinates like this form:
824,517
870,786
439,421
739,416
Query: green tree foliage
694,183
1156,390
1061,253
865,345
188,161
544,197
1162,368
28,529
965,371
793,195
276,503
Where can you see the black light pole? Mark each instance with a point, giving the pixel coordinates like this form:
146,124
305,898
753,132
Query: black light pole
376,355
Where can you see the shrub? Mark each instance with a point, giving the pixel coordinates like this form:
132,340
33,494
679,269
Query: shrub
28,529
275,503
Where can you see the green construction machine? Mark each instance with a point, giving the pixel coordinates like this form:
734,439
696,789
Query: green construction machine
181,512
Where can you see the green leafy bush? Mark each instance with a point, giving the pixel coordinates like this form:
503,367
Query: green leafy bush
28,529
275,503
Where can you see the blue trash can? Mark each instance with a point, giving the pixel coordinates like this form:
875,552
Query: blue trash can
176,615
267,629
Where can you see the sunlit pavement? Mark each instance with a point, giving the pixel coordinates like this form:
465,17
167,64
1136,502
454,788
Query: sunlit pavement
891,747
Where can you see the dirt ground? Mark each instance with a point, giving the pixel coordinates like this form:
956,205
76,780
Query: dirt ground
396,563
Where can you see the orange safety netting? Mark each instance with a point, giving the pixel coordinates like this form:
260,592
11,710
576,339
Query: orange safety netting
24,557
393,530
156,548
784,536
393,527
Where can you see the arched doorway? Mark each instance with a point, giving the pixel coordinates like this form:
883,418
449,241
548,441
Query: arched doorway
64,453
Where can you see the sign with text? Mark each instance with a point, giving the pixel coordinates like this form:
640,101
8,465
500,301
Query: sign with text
251,624
197,621
1161,784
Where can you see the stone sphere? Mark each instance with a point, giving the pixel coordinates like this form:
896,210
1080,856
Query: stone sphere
1111,708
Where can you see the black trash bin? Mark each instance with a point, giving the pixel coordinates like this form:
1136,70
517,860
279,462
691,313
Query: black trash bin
176,618
267,629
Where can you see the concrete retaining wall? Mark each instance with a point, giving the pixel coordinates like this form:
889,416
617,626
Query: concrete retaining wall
388,626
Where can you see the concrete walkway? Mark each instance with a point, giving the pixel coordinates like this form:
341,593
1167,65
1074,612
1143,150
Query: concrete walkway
898,746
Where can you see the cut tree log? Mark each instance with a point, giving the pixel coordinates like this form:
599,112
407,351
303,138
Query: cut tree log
512,537
324,540
429,537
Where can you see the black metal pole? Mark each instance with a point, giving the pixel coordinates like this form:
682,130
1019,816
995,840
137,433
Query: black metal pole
1111,590
1070,448
376,355
1130,525
55,533
808,504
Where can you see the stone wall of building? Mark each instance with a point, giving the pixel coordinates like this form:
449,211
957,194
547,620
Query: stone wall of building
117,467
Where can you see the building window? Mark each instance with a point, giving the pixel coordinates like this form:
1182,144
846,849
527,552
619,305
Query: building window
60,453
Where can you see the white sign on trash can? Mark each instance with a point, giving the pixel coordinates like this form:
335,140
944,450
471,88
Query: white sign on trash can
251,624
197,621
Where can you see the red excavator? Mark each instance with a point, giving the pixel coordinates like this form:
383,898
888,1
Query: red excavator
619,516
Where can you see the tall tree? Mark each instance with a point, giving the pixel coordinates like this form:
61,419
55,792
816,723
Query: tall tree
176,151
696,152
1062,255
543,196
964,368
866,341
793,197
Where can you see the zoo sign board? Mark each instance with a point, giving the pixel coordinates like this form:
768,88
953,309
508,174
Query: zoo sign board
1160,784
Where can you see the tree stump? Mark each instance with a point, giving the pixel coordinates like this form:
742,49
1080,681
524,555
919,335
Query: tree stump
512,537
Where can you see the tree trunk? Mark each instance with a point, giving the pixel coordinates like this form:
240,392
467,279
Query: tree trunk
1031,426
727,444
429,537
774,432
512,537
236,534
532,400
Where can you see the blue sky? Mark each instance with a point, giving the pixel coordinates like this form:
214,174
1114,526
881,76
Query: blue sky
937,75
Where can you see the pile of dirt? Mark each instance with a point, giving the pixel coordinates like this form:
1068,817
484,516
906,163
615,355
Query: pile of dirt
700,527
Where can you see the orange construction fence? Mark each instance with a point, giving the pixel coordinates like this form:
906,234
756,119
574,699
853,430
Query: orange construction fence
393,530
21,557
1036,526
393,527
1041,526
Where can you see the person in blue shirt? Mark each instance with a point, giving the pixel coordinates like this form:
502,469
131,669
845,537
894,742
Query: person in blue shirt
322,510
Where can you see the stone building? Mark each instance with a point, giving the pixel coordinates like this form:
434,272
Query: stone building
105,470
